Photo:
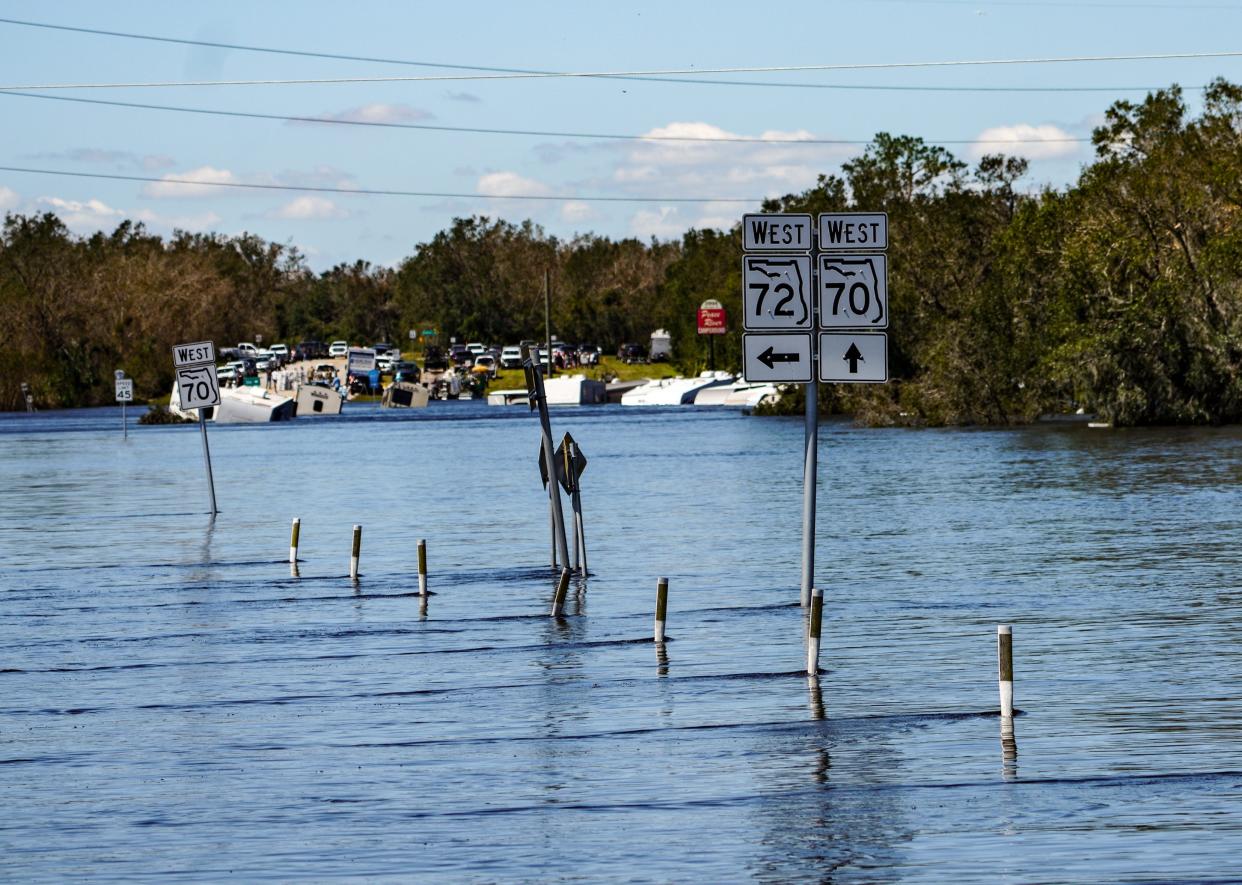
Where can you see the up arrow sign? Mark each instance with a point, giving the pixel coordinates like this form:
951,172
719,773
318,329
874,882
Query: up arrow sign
852,356
769,358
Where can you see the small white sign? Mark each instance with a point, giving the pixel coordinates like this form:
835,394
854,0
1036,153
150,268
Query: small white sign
848,231
853,357
195,354
853,291
361,359
777,232
783,357
125,390
198,387
776,292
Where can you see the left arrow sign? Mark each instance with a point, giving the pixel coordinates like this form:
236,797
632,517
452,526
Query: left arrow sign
777,357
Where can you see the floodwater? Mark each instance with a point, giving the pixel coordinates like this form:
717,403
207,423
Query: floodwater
174,704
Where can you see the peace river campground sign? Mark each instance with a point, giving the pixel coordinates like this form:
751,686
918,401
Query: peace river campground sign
802,304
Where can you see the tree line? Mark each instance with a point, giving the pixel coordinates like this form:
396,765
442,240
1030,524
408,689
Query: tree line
1120,294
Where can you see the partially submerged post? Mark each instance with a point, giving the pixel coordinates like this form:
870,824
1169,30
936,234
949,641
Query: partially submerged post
534,387
812,633
562,589
1004,660
357,551
572,462
293,539
661,612
422,567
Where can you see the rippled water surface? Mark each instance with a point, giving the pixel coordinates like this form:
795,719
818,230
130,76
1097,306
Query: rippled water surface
175,704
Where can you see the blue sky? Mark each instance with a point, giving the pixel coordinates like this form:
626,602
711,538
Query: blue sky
547,35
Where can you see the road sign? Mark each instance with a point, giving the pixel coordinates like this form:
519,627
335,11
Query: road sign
776,292
712,318
198,386
776,232
853,291
853,357
783,357
125,390
194,354
849,231
569,483
361,359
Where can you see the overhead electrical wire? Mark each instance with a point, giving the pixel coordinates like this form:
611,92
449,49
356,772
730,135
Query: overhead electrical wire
541,133
377,192
462,67
770,69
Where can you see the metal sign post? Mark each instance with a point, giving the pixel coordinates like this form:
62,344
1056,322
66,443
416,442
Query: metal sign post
534,386
199,389
124,394
572,462
808,296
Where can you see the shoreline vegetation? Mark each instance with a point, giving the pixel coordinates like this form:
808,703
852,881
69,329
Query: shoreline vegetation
1120,294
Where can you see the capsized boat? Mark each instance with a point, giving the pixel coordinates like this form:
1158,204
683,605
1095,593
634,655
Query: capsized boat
317,399
252,405
405,395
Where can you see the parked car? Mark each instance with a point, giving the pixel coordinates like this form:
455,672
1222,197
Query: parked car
312,350
475,347
406,371
339,348
383,347
250,350
632,353
461,356
265,360
282,353
434,359
511,357
485,364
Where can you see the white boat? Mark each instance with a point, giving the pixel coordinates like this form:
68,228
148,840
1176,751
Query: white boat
404,395
315,399
511,397
674,391
240,405
574,390
740,393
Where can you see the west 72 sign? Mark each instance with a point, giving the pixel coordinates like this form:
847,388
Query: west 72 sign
776,292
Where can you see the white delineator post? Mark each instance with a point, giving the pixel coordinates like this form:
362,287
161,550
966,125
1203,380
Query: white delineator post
293,539
661,612
1004,658
812,633
357,551
422,568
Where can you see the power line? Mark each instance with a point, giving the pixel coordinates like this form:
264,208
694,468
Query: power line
541,133
449,66
376,192
769,69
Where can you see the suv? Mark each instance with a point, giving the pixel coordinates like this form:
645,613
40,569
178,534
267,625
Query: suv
339,348
632,353
434,359
406,371
511,357
282,353
312,350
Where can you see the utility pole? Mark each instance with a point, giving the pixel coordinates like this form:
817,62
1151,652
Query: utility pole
547,314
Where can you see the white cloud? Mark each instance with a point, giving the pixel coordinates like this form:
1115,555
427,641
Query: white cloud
510,184
8,199
1043,142
376,112
80,217
199,221
664,222
186,184
717,164
309,208
576,211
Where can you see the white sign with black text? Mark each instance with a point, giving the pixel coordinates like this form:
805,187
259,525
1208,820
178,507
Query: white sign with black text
198,386
777,232
853,291
776,292
194,354
853,357
777,357
125,390
361,359
850,231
